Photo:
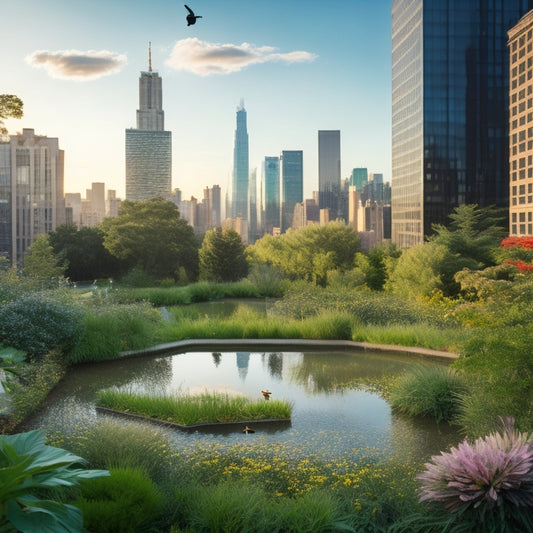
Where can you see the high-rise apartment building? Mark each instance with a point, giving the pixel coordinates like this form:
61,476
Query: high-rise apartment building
31,191
449,109
239,204
329,170
149,146
292,185
271,191
521,127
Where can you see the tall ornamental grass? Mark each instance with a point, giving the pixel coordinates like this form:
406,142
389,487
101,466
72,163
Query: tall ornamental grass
187,409
487,485
429,391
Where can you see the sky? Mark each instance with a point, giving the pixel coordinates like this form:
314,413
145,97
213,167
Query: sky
299,66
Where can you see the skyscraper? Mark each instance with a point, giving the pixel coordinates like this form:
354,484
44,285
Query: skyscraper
292,185
31,191
359,178
271,193
239,204
449,109
329,170
149,146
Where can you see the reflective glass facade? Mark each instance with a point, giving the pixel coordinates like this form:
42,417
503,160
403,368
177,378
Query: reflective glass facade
271,193
292,185
329,170
241,168
449,109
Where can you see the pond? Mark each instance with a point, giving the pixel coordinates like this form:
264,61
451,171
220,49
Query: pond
336,408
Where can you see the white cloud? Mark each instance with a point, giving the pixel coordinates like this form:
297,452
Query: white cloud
77,65
205,58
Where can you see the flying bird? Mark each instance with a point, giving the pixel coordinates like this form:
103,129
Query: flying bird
248,430
266,394
191,17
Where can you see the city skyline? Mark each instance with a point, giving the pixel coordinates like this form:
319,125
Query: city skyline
308,70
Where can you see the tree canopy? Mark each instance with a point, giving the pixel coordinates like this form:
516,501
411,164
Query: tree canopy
154,237
222,256
311,252
40,261
11,106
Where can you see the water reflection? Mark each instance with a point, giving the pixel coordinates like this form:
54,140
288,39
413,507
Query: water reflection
336,409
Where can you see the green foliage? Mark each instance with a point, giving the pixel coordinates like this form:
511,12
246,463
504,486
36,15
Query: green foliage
375,265
10,106
27,466
82,251
419,271
429,391
267,279
36,324
153,236
222,256
124,502
110,329
138,278
40,262
309,253
188,409
500,364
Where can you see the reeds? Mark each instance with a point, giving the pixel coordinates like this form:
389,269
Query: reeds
188,409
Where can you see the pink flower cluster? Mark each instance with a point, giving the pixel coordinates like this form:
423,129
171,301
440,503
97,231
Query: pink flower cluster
495,469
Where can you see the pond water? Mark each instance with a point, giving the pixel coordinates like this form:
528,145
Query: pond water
335,407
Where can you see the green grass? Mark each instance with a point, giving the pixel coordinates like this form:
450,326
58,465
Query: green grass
187,409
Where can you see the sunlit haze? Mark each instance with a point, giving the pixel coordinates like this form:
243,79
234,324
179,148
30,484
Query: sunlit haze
299,66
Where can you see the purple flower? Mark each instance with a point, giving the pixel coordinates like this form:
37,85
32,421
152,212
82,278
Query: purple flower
495,469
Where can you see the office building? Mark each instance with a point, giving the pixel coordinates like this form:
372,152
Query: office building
31,191
271,194
291,185
239,203
252,207
329,170
450,86
521,127
149,146
359,178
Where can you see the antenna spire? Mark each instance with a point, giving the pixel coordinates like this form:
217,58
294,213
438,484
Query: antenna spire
149,56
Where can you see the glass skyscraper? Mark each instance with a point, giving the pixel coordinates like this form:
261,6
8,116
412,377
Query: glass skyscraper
292,185
239,204
149,146
329,170
271,193
450,87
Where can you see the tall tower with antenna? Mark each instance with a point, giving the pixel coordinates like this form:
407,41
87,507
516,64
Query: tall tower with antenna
149,146
240,166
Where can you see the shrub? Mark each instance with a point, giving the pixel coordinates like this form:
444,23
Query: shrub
488,483
431,391
36,324
123,502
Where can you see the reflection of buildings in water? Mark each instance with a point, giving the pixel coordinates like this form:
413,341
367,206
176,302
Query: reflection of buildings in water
274,362
243,360
216,358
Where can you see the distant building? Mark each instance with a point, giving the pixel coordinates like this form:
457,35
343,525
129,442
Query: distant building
73,207
521,127
271,193
359,178
31,191
291,185
450,110
252,208
241,170
149,146
329,170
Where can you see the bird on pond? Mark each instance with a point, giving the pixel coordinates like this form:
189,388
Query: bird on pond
191,17
248,430
266,394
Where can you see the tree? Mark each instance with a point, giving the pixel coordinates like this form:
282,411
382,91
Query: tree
10,106
84,253
40,261
154,237
309,253
222,256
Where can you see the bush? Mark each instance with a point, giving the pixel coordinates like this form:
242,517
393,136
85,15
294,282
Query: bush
429,391
123,502
36,324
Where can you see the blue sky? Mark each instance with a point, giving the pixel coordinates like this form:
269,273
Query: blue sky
299,65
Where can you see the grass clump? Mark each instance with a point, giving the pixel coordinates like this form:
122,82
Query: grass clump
193,409
429,391
126,501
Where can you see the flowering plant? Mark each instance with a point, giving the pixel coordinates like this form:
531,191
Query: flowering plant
491,479
520,265
517,242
